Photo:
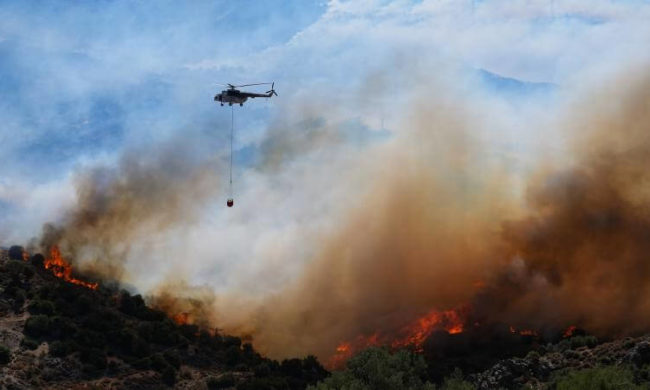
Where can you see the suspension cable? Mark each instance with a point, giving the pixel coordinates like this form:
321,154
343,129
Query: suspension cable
232,131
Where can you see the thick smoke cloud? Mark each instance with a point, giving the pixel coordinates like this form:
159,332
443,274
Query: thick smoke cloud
435,222
439,227
583,249
149,191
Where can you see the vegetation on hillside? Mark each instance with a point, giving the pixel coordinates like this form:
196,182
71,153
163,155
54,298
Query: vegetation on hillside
110,333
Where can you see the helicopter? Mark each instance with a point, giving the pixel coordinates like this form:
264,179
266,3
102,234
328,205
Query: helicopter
233,95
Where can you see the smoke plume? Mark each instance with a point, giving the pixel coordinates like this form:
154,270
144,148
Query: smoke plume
436,222
120,206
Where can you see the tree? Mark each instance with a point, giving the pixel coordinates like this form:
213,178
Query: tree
16,252
378,368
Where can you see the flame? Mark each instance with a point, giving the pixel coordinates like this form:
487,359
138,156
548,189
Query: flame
62,269
412,335
569,331
523,332
181,318
418,331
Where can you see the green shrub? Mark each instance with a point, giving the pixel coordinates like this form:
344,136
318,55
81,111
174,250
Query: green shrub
173,358
94,356
533,355
603,378
16,252
583,341
378,368
5,355
28,343
62,327
158,362
41,307
37,260
456,382
169,376
37,326
19,298
222,382
62,348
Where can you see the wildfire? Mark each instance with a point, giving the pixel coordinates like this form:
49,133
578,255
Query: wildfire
569,331
523,332
418,331
413,335
181,318
62,269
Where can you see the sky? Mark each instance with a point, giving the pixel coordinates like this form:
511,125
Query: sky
84,84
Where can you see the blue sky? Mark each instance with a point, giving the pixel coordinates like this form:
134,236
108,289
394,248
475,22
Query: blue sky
82,83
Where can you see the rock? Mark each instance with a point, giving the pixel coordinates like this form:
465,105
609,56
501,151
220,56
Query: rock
639,355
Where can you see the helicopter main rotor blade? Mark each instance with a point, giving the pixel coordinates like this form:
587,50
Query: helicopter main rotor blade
248,85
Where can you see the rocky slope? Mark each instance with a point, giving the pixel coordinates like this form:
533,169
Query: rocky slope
58,335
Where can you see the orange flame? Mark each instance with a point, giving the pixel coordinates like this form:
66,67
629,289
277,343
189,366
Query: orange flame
523,332
413,334
569,331
181,318
62,269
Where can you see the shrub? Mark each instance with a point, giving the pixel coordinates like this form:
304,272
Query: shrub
37,326
5,355
603,378
173,358
169,376
62,327
37,260
456,382
583,341
222,382
16,252
41,307
158,362
28,343
377,368
94,356
62,348
533,355
19,298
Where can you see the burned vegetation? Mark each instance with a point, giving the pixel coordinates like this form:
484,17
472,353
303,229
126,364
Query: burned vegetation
60,331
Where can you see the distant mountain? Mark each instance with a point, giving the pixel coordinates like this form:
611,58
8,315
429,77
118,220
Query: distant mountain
511,86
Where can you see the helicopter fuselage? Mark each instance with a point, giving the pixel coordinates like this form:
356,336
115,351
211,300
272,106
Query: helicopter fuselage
234,96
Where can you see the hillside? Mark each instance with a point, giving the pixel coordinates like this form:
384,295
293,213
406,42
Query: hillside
71,334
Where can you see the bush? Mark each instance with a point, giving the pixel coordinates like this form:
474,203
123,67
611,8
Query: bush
19,298
62,327
94,356
604,378
222,382
62,348
41,307
5,355
16,252
158,363
377,368
28,343
169,376
583,341
456,382
173,359
37,326
37,260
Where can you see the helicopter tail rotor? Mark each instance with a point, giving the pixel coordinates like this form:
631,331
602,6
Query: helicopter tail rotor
272,91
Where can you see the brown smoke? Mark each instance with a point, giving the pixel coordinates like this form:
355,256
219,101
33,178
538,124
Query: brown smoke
433,222
149,191
585,246
440,220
